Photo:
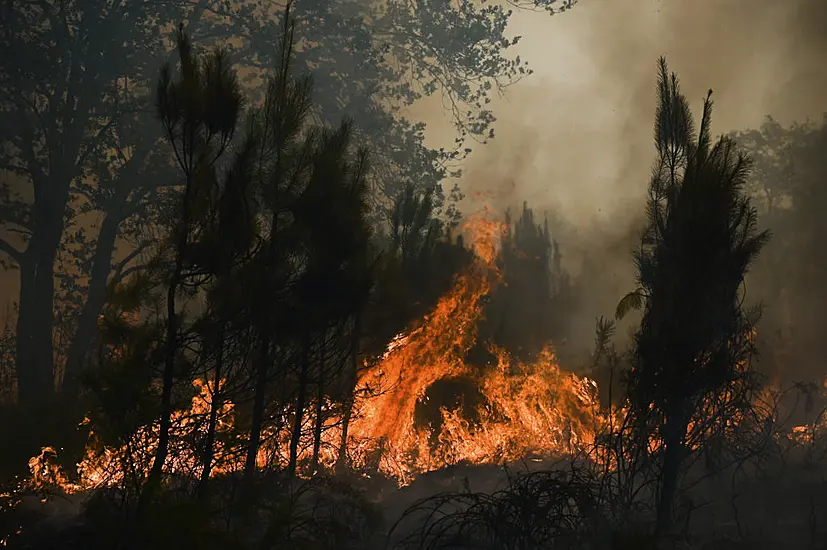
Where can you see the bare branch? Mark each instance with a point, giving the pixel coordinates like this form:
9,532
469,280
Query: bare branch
119,271
10,250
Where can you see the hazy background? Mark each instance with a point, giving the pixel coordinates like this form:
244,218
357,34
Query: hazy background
575,138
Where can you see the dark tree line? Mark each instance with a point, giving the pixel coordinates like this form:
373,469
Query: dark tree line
527,311
261,276
75,76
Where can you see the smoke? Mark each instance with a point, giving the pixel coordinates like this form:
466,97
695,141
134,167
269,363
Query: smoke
575,139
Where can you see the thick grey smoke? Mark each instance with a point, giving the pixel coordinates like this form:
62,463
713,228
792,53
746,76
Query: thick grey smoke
576,138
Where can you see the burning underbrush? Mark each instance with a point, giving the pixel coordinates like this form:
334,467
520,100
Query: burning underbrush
503,414
523,408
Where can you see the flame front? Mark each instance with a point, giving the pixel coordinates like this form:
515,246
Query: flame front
428,354
527,409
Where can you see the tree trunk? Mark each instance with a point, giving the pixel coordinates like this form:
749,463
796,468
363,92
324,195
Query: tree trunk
264,352
153,481
216,403
168,378
35,320
258,407
295,437
341,460
95,300
317,429
34,354
674,439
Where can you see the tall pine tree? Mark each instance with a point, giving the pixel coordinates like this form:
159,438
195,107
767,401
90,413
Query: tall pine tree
700,238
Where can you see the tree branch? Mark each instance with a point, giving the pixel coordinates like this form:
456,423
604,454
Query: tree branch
118,271
10,250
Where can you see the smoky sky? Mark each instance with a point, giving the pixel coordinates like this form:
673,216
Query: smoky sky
575,138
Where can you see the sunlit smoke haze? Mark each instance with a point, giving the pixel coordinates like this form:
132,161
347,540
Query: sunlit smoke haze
575,138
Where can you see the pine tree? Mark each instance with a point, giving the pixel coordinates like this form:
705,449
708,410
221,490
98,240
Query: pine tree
283,163
526,310
227,247
311,276
199,113
701,235
334,289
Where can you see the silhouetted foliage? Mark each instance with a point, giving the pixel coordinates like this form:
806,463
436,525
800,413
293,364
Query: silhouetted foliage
418,265
694,344
528,309
78,139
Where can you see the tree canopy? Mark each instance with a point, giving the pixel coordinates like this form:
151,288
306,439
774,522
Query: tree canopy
84,177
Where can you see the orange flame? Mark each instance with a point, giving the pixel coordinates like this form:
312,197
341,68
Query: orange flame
535,408
528,409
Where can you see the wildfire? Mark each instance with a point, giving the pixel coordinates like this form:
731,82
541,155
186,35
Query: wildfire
531,409
528,409
432,352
